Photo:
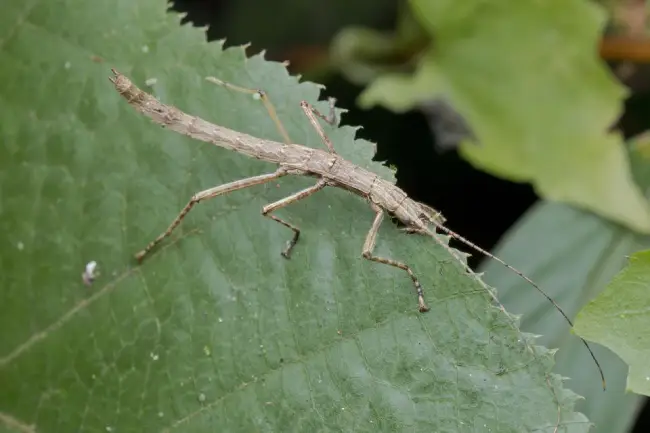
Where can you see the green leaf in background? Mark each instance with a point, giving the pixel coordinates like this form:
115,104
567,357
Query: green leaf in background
217,332
619,318
527,79
401,92
573,254
363,54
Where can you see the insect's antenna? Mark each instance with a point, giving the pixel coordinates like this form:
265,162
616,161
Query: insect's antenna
528,280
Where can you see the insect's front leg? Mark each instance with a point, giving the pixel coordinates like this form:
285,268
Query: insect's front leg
369,246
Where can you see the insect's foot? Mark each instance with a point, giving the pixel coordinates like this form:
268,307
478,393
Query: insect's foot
140,256
423,307
286,253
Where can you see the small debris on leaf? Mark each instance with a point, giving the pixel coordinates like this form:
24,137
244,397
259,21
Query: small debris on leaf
90,273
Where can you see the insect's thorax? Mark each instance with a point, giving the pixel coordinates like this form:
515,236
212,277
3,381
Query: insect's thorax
342,173
335,170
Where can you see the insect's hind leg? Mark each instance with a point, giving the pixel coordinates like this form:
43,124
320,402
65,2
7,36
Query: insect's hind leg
369,245
261,94
266,211
205,195
309,110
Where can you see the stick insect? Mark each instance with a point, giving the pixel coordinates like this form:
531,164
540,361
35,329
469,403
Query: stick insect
330,170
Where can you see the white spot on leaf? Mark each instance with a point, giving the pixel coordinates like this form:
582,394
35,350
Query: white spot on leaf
90,273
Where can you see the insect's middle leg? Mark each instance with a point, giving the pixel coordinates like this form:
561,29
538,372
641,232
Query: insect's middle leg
369,245
266,211
311,114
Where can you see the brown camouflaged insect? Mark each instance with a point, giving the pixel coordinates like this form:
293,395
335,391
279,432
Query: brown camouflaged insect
327,166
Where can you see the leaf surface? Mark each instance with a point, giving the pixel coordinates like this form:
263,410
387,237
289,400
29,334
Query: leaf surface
216,331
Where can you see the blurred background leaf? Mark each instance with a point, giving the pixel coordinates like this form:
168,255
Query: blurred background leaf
573,255
513,70
620,317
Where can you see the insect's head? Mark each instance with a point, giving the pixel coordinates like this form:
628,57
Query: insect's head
428,214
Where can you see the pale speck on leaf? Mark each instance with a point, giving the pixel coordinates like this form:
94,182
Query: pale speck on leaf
90,273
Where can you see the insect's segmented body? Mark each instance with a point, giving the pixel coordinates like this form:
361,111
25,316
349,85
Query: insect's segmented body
327,166
297,159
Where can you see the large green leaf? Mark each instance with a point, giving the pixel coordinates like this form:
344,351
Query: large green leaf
216,331
572,255
527,79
